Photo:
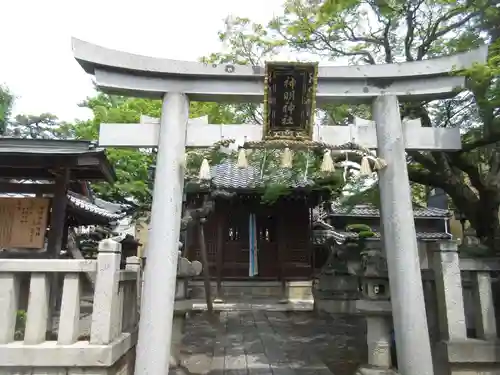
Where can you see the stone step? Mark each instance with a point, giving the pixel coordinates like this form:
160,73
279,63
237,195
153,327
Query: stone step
254,305
255,290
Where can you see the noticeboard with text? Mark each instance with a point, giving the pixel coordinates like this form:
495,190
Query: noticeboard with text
23,222
290,93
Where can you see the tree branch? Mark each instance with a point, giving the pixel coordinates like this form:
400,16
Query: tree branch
472,171
387,45
492,138
353,38
434,34
310,42
423,160
425,178
367,55
410,19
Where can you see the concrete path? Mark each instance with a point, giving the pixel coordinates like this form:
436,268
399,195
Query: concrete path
272,343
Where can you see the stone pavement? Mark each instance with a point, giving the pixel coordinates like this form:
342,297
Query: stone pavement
272,343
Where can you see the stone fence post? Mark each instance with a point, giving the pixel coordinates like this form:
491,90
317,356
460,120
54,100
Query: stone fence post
485,321
449,292
106,293
133,263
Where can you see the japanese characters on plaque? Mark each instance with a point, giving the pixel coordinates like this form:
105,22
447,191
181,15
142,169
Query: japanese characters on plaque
23,222
290,92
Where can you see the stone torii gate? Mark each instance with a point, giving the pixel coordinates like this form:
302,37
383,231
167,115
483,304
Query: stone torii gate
175,81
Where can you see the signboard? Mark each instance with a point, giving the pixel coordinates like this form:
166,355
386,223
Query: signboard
23,222
289,100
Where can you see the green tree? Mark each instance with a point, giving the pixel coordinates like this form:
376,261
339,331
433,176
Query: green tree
249,44
44,125
373,32
6,103
133,166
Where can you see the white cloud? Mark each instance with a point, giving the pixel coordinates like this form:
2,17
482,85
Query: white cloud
37,62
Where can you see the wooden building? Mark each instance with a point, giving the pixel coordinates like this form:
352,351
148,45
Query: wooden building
330,225
57,172
431,223
249,239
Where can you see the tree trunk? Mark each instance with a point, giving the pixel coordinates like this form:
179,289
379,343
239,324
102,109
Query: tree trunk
482,211
486,221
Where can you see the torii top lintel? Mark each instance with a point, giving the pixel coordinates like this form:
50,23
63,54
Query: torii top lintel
129,74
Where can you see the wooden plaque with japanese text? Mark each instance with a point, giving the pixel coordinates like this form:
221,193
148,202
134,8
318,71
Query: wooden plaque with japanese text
23,222
289,94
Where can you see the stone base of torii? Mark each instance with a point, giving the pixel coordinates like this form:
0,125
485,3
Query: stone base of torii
174,81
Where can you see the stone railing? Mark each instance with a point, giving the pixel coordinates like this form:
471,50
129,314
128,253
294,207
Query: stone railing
456,352
67,347
460,309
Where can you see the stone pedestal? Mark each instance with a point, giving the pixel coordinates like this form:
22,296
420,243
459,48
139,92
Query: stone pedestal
379,340
378,337
185,270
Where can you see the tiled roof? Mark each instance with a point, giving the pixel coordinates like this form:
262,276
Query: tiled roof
80,202
109,206
366,210
322,235
227,175
93,163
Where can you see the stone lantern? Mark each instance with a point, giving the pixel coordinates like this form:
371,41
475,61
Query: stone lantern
376,306
374,278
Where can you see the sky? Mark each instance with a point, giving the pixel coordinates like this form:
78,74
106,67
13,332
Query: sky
37,64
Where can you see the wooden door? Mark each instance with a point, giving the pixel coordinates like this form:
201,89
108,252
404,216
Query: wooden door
294,240
235,242
267,244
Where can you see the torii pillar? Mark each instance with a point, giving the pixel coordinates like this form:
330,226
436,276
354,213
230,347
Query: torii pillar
173,81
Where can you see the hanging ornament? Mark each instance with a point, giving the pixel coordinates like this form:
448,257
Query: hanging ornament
327,163
225,147
286,158
346,168
379,164
365,169
204,170
242,159
307,166
263,164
